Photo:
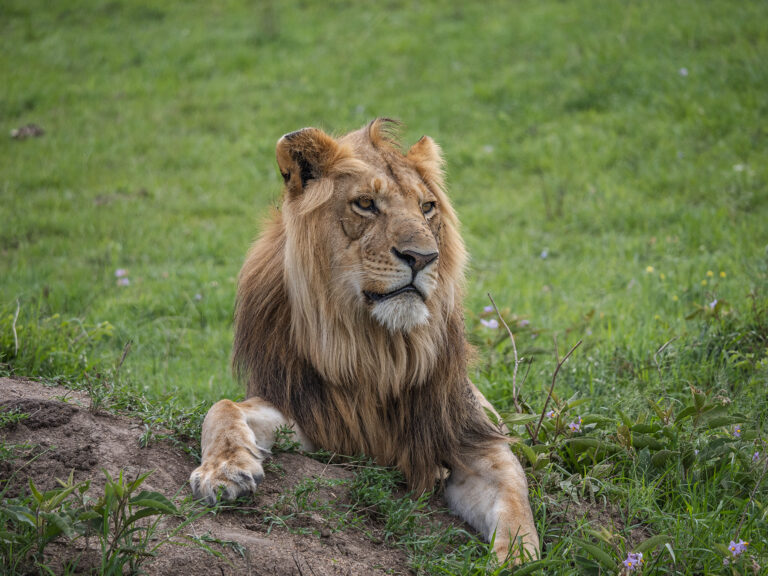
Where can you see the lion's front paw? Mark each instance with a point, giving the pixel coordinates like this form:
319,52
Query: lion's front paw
231,476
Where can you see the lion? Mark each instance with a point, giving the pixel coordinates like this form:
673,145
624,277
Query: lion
349,328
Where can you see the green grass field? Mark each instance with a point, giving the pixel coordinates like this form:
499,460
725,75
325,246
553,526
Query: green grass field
608,160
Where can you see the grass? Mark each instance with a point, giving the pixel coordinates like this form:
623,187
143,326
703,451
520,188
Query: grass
609,162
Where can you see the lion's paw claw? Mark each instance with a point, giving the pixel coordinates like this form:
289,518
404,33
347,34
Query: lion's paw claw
227,479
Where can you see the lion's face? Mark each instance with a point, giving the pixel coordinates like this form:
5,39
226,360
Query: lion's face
384,251
365,225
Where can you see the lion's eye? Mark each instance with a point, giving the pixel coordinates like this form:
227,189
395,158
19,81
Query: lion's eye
427,207
366,204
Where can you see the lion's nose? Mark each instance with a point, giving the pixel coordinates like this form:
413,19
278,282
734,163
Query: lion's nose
416,260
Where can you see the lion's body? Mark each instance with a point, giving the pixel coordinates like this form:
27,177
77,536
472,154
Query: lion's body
349,324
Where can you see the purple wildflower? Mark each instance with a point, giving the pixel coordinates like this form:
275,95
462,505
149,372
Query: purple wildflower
123,282
493,324
755,457
550,414
737,431
544,253
523,323
713,304
198,297
634,561
737,548
575,425
488,309
120,272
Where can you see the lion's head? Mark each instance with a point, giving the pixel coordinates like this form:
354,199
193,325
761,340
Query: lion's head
370,230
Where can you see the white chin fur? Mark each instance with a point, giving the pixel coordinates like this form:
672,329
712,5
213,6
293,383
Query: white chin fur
401,313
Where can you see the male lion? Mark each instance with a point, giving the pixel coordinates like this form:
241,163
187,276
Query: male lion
349,328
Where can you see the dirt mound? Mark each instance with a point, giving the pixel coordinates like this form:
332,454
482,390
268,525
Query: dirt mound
60,434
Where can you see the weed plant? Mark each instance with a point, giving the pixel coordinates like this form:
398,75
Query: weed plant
29,523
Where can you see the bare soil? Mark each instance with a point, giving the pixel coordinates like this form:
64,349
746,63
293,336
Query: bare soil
63,435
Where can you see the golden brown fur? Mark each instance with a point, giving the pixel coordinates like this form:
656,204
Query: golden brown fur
352,385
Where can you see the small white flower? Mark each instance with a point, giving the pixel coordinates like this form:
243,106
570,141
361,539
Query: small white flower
683,72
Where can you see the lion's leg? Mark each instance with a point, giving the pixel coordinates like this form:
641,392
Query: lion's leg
236,438
491,493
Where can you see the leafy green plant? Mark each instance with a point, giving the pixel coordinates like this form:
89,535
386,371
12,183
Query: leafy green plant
116,518
28,524
285,440
124,520
9,418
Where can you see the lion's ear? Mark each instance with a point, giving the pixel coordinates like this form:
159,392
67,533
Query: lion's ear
305,155
427,158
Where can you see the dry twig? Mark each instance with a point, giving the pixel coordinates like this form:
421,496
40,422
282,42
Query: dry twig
13,327
514,350
659,351
126,350
552,387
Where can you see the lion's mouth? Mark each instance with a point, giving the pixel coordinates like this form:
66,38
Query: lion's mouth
410,288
